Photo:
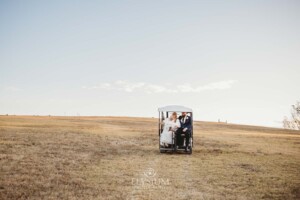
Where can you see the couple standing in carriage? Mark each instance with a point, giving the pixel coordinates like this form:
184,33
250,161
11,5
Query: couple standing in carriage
180,126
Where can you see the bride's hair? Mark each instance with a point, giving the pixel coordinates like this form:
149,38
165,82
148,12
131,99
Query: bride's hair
174,114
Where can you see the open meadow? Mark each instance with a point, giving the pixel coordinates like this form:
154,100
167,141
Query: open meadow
118,158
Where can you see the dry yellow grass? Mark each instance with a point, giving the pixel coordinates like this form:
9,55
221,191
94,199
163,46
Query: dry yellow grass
106,157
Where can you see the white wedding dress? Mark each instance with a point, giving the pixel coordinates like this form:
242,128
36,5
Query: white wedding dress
166,135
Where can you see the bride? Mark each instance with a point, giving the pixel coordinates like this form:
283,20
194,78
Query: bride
170,125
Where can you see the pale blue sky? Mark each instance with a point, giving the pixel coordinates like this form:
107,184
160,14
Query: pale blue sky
234,60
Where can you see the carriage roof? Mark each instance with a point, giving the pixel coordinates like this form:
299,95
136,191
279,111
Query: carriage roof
174,108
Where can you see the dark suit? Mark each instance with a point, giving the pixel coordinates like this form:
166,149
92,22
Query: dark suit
185,122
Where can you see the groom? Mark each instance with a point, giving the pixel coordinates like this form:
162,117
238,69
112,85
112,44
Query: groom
185,128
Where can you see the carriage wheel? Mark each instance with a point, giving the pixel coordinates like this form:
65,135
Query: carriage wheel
191,150
191,146
162,151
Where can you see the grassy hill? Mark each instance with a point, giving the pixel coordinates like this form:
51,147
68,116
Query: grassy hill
118,158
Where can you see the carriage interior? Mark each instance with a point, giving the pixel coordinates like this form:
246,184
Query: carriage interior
163,116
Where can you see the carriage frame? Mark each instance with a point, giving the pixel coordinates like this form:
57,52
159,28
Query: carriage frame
164,112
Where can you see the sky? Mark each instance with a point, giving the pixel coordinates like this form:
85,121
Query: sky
230,60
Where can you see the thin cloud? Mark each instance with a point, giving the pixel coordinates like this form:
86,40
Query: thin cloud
221,85
127,86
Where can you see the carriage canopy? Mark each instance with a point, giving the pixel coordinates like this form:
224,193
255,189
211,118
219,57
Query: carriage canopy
175,108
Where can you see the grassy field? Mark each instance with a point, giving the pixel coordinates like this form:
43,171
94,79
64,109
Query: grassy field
118,158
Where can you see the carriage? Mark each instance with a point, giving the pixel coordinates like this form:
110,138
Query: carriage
164,112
